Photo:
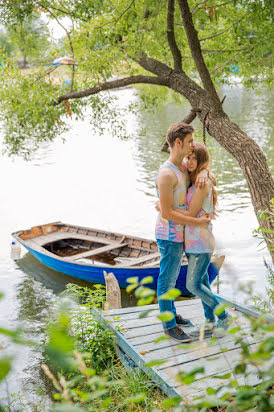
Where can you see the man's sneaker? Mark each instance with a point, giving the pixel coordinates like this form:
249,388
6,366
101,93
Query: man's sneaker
210,323
182,321
202,331
222,325
178,334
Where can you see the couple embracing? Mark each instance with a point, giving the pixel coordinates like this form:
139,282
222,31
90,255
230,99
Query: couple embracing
187,203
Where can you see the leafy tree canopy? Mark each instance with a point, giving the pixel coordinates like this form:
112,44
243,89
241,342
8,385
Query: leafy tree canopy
108,38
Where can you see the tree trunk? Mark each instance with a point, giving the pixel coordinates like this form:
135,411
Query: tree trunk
252,162
24,65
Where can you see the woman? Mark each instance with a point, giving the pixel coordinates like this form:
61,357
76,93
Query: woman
199,241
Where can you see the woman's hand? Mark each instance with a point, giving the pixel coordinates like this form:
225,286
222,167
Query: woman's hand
157,206
201,178
204,221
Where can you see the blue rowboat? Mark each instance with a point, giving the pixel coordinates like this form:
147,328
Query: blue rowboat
85,253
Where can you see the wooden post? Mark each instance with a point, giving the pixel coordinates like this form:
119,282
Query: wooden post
113,292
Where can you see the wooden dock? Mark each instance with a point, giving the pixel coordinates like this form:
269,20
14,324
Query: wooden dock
135,340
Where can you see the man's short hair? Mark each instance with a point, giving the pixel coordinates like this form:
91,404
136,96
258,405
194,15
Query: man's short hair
180,130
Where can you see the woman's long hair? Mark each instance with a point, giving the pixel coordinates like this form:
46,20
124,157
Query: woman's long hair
203,160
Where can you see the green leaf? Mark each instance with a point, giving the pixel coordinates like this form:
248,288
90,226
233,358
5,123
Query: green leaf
170,294
148,279
145,313
146,292
134,279
131,287
225,376
137,398
171,402
212,359
160,339
220,308
189,346
267,230
189,377
5,366
166,316
155,363
211,391
145,301
106,402
240,368
234,330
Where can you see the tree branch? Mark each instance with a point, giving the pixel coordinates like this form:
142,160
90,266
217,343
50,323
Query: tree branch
118,18
222,65
114,84
44,74
196,52
152,65
224,31
224,51
177,57
188,119
197,7
70,43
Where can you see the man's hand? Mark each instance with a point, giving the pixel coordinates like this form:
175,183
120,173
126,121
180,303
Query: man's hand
201,178
204,221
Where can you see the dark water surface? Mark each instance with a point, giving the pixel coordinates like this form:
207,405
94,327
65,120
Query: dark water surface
102,182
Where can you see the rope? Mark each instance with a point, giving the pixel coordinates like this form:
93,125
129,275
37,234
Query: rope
204,127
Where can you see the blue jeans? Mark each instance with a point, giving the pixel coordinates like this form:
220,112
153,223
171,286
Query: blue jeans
170,265
197,282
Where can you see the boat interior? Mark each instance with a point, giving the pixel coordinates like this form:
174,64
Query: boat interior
77,244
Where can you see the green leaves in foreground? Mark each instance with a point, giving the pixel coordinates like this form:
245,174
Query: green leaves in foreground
5,366
166,316
171,294
61,344
189,377
220,308
144,294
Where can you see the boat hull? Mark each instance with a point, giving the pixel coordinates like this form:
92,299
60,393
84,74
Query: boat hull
94,274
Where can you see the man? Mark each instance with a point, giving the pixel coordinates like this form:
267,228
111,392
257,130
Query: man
172,184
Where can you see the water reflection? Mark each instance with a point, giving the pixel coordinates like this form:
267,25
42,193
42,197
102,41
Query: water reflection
53,281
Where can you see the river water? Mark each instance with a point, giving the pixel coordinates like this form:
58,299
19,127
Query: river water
102,182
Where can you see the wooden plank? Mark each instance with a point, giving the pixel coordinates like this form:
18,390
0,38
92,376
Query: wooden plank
187,312
156,327
181,306
155,306
44,239
137,261
96,251
117,235
245,309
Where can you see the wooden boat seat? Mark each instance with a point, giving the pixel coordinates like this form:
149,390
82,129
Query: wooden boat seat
97,251
54,237
137,261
